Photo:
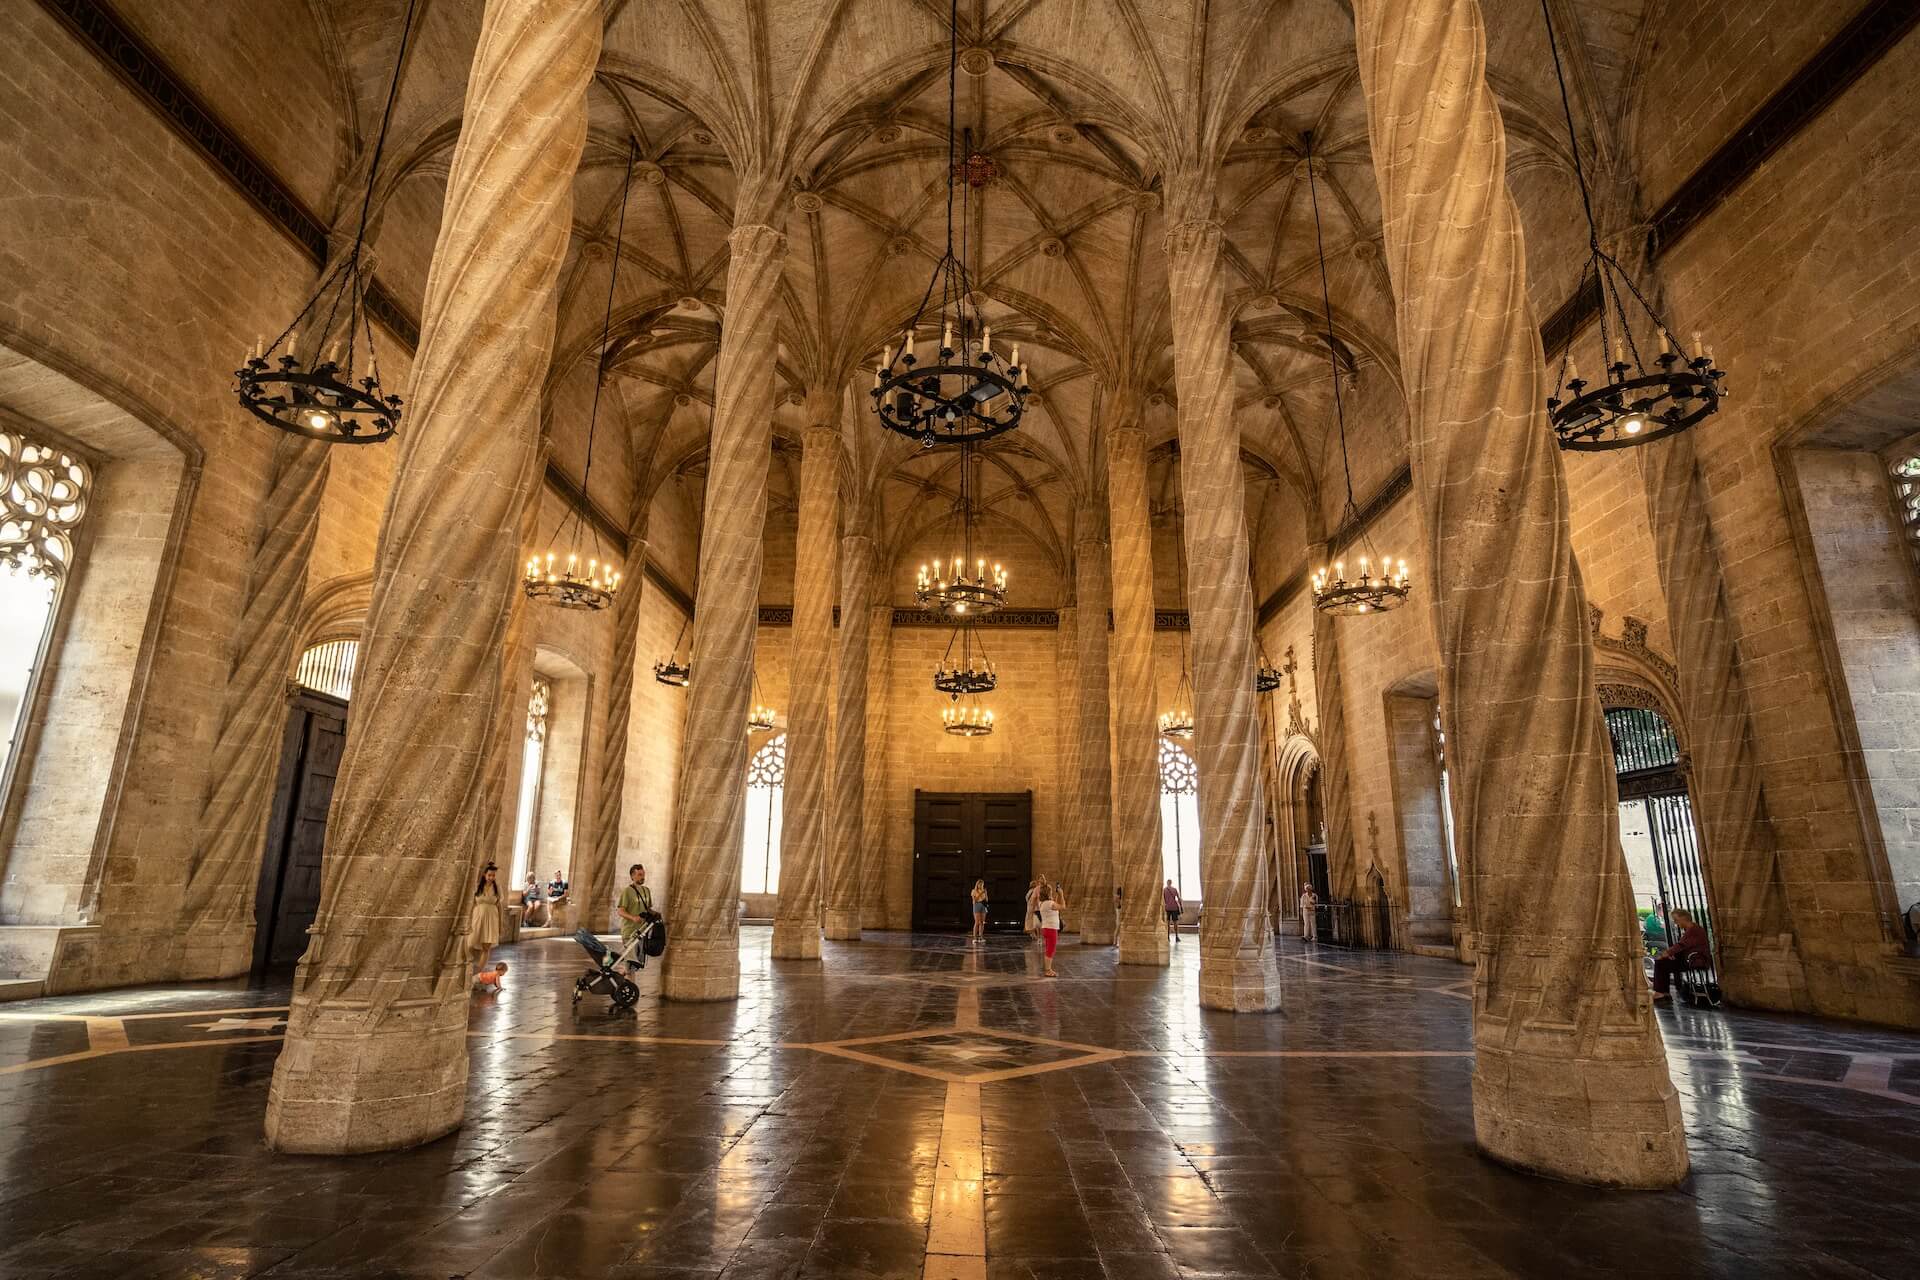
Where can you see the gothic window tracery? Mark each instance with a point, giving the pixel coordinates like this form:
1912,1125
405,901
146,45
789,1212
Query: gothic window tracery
766,789
1180,819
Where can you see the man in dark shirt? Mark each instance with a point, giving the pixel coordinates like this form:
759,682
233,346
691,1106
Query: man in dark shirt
1689,951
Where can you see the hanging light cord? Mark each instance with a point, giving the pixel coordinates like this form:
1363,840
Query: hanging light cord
352,265
606,324
1333,356
1573,137
386,118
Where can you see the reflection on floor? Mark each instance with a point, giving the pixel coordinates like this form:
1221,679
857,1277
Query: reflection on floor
915,1106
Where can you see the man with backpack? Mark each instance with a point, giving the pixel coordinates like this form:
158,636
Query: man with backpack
636,912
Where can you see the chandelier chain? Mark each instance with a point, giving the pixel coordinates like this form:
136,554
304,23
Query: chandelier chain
1333,352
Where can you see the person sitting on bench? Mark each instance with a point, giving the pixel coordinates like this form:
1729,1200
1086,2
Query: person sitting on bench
1688,952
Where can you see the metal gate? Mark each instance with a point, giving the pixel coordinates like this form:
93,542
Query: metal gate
1647,759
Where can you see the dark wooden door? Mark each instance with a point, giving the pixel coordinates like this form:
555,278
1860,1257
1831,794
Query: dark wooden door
289,893
963,836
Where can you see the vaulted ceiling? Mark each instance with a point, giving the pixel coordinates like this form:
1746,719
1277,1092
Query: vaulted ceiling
832,119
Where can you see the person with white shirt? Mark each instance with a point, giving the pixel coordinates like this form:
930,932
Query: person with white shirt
1051,903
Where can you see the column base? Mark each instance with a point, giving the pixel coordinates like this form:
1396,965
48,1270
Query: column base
342,1089
840,924
1240,983
702,969
206,954
796,940
1605,1122
1145,944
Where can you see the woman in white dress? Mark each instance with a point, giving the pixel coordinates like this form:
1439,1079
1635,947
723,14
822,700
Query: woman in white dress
483,924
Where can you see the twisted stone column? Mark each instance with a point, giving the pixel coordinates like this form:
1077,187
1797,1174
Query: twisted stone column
1236,948
1569,1075
1082,895
846,857
507,739
806,829
1093,601
1336,790
376,1049
704,961
596,896
216,940
1136,732
1760,960
873,823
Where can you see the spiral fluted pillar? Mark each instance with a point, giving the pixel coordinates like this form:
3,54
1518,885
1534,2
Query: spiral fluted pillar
375,1055
1759,960
1136,731
846,856
217,917
873,822
1082,895
1237,969
1091,593
704,895
594,901
1569,1075
1336,790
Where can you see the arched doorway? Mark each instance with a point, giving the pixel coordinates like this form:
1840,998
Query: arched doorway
1657,832
287,896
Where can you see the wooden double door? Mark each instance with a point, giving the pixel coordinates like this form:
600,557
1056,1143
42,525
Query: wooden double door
288,898
963,836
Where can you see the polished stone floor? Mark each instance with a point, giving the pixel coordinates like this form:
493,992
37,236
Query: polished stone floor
916,1106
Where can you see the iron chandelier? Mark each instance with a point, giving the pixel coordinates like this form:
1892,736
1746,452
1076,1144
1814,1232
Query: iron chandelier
963,586
1629,404
969,721
307,388
965,676
1333,591
564,582
670,669
761,718
969,392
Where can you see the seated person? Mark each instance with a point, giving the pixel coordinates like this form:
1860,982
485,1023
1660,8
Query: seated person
533,911
557,887
1689,952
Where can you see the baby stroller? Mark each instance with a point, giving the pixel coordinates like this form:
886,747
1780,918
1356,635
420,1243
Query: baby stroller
604,977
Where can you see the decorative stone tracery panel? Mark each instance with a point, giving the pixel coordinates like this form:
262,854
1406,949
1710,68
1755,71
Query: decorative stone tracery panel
43,498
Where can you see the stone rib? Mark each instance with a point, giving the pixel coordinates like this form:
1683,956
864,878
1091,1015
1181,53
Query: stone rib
807,807
1236,941
1569,1077
704,961
376,1054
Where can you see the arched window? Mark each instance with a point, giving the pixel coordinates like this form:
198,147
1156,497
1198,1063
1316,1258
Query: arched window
328,668
760,852
1906,496
532,758
43,496
1446,802
1180,819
